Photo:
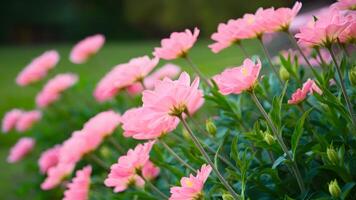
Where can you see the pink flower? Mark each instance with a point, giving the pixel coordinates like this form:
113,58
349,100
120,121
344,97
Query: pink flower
103,123
56,174
134,89
49,158
38,68
135,71
142,123
10,119
191,188
78,189
75,147
238,79
127,170
172,98
54,87
150,171
281,18
345,5
177,45
254,25
20,149
309,87
168,70
27,119
84,49
349,34
227,34
324,31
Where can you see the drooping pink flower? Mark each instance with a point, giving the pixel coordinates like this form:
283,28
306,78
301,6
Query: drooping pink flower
38,68
20,149
73,149
78,189
309,87
86,48
140,123
324,31
103,123
125,171
281,18
238,79
227,34
49,158
54,87
177,45
56,174
150,171
10,119
191,187
349,34
168,70
345,5
27,120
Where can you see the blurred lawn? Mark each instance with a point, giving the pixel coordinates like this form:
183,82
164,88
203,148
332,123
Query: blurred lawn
14,58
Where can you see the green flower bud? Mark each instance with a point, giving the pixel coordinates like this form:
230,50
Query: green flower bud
334,189
185,134
283,73
227,196
104,152
332,155
210,127
352,76
268,138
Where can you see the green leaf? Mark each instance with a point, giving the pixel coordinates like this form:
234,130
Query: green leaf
275,112
298,131
346,189
279,161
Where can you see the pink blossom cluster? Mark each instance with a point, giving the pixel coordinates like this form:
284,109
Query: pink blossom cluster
86,48
52,90
309,87
20,120
20,149
38,68
78,189
132,169
80,143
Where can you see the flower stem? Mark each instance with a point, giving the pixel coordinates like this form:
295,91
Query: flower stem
270,60
243,50
196,70
343,88
176,156
117,146
154,188
206,156
294,166
98,161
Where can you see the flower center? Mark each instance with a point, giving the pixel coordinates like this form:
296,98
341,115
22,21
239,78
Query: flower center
250,20
189,183
244,71
178,110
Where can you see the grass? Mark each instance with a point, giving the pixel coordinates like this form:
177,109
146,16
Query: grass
14,58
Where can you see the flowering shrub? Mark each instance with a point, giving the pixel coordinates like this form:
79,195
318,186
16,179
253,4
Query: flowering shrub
289,134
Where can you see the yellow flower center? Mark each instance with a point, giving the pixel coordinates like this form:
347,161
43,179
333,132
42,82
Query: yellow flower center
244,71
189,183
250,19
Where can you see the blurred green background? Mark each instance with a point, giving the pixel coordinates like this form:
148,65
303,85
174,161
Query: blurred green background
132,28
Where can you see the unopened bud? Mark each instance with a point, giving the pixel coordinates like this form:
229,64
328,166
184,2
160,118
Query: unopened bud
352,76
334,189
283,73
104,151
210,127
332,155
186,134
268,138
227,196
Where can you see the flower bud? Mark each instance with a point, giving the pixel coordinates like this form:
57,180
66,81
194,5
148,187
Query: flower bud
283,73
210,127
104,152
332,155
186,134
352,76
268,138
227,196
334,189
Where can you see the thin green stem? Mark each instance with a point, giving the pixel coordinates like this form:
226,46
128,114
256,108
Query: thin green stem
243,49
154,188
98,161
176,156
279,138
117,146
206,156
270,60
196,70
343,88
